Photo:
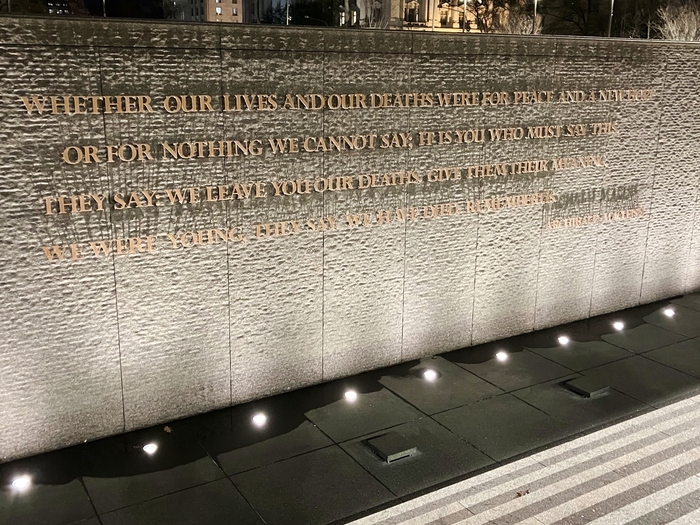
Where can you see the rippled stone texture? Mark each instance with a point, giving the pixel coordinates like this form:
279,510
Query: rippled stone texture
97,346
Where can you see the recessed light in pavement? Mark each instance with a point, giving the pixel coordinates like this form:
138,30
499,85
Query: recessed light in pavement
21,483
259,420
430,375
351,396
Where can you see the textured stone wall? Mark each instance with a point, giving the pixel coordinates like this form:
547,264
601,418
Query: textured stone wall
97,346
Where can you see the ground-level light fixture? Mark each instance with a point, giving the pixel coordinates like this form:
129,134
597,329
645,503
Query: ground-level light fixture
259,420
619,325
430,375
669,312
563,340
21,483
502,356
150,448
350,396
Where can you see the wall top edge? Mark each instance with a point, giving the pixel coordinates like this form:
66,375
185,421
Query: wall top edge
97,32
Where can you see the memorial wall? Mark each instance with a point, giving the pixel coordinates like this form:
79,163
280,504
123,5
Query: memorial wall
194,216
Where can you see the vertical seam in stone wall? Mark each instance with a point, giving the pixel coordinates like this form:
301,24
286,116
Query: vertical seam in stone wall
114,262
686,287
542,223
323,234
605,178
479,183
595,260
653,177
405,205
228,219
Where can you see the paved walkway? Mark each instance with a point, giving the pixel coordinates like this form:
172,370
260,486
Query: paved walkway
642,471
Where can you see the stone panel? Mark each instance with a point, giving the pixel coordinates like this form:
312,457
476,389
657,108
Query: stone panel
364,265
59,359
675,187
275,284
173,304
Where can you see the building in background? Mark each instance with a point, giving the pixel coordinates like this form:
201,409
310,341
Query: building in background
432,15
58,8
204,10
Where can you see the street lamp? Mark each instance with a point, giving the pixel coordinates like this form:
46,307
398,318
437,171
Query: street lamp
464,21
534,19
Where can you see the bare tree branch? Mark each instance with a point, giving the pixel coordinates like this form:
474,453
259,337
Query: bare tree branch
679,20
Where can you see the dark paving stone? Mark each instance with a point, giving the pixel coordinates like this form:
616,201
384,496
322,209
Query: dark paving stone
118,473
391,446
453,387
441,456
579,356
684,356
214,503
643,338
579,412
586,386
504,426
45,505
522,368
242,446
55,497
91,521
578,330
374,409
646,380
315,488
205,425
691,301
685,321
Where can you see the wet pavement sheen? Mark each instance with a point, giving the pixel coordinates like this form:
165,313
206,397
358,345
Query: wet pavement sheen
306,462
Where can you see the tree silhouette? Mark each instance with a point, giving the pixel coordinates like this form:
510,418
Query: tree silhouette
679,20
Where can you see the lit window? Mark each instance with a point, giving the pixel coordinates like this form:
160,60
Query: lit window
218,10
235,12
